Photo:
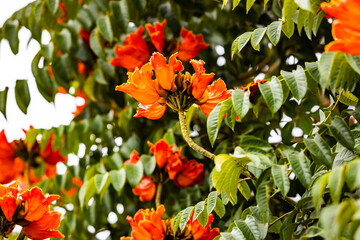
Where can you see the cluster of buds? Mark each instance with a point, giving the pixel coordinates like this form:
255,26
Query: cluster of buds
170,89
30,209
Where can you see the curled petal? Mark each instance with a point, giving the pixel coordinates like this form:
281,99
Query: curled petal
191,46
217,93
162,151
134,53
192,173
134,158
145,189
141,86
157,34
200,79
165,73
38,203
8,206
175,164
151,111
44,227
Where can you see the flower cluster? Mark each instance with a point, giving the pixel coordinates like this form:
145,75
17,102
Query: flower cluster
136,51
177,91
29,209
15,158
345,30
147,224
182,171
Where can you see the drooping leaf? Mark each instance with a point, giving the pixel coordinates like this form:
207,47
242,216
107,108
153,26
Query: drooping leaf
301,167
274,32
296,81
22,95
120,12
272,93
336,183
241,102
281,180
3,100
341,131
256,37
320,149
104,25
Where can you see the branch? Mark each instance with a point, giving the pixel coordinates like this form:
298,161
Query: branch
188,139
158,195
281,217
21,235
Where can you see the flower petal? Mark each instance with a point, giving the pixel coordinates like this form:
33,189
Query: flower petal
200,79
43,228
217,93
145,189
191,46
8,206
157,34
141,86
151,111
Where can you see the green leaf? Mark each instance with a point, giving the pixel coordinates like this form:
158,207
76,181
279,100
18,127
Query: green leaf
341,131
281,180
336,183
199,208
219,208
211,201
215,119
104,25
249,141
241,102
45,85
329,64
320,149
87,191
185,217
318,19
134,173
309,23
3,100
11,29
300,164
274,32
256,37
354,62
262,199
249,4
120,11
22,95
288,27
235,234
318,190
272,93
203,218
348,99
289,9
148,163
304,4
244,190
300,20
118,179
235,3
352,175
296,81
61,67
63,39
176,222
313,70
53,5
243,39
97,43
249,228
102,183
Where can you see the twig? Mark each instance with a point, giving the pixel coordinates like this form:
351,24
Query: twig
21,235
158,195
188,139
281,217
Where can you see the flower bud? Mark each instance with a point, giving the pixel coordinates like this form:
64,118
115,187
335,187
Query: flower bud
162,92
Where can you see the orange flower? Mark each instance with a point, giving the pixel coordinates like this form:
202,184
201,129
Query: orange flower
78,183
134,158
141,86
161,150
175,164
203,233
345,29
157,34
253,87
145,189
50,155
147,225
81,68
42,228
30,210
151,111
192,173
217,93
199,80
191,46
134,53
178,91
165,73
38,204
85,35
11,166
62,12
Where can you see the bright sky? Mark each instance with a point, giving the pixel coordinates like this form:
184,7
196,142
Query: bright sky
41,114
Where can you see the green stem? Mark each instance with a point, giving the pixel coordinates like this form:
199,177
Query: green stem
21,235
188,139
281,217
158,194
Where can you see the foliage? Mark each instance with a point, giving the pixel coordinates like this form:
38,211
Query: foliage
303,185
